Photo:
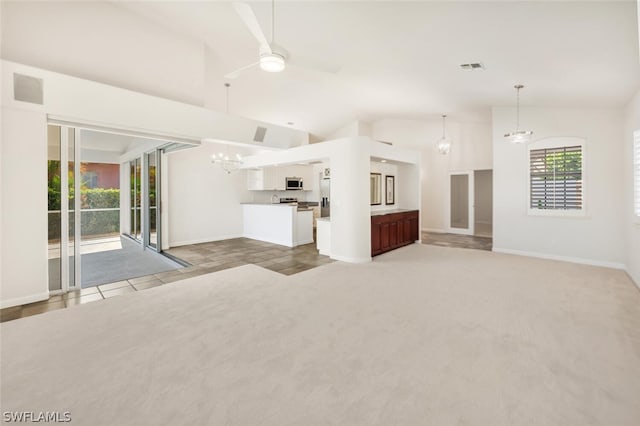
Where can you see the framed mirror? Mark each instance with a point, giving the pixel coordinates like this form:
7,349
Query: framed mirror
390,190
376,189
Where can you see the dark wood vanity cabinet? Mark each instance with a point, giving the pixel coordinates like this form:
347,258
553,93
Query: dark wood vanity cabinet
392,230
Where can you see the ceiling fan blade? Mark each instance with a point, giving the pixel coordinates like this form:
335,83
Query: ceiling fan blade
249,18
234,74
315,65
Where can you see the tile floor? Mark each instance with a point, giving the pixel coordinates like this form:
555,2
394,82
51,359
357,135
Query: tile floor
204,258
458,241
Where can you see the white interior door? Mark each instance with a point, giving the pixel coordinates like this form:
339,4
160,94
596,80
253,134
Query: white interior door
460,211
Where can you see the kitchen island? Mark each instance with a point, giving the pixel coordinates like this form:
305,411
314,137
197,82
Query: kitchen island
282,224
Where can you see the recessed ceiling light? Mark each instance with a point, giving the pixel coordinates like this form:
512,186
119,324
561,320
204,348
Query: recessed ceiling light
383,161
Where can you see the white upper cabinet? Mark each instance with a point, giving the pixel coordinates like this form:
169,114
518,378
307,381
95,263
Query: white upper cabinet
273,178
255,180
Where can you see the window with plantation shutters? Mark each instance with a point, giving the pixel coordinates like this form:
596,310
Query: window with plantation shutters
555,178
636,173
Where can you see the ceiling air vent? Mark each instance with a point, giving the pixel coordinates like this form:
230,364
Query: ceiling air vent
472,66
27,89
260,133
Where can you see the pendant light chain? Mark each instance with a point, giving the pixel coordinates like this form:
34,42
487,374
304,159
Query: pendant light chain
518,109
227,85
227,163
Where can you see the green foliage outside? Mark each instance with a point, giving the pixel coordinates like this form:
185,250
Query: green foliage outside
565,162
93,222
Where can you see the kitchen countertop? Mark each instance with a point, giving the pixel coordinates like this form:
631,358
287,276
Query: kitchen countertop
271,204
383,212
298,207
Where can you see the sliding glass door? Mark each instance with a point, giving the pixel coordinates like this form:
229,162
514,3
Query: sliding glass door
63,207
152,195
144,199
135,182
94,197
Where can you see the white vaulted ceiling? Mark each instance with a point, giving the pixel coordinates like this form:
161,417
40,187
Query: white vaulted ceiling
401,59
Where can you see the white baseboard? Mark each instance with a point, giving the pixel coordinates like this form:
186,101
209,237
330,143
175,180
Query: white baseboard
583,261
23,300
636,283
351,259
203,240
272,241
436,230
299,243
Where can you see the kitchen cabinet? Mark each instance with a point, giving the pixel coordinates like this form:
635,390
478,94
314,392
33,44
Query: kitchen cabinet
323,236
255,180
392,230
266,179
304,172
273,178
280,224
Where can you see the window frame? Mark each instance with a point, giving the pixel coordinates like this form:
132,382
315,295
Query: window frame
550,143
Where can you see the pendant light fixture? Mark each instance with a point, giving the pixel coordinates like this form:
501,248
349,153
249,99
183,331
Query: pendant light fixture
518,136
444,144
225,161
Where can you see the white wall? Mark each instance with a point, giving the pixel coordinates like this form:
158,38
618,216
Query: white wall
24,207
631,224
203,200
471,150
71,38
386,169
597,237
346,131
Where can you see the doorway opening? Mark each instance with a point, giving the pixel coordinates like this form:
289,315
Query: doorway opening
483,203
470,203
103,207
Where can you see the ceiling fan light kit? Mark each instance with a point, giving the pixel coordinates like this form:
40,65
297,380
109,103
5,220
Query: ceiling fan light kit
272,62
272,57
518,136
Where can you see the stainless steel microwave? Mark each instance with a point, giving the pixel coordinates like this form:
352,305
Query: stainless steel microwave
293,183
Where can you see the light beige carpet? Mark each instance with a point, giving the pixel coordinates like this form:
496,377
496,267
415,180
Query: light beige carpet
422,336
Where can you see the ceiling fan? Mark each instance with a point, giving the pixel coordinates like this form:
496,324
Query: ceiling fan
272,58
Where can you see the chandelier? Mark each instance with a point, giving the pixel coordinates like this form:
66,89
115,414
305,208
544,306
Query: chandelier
227,162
